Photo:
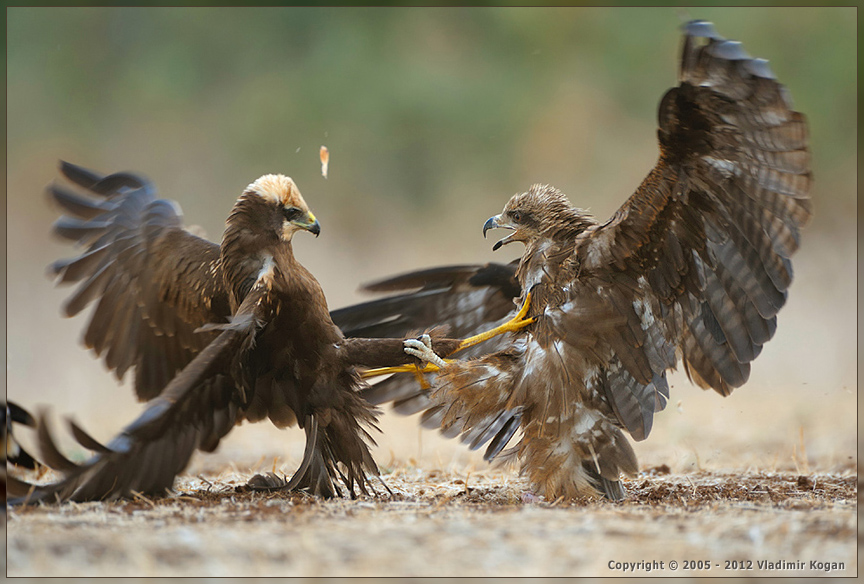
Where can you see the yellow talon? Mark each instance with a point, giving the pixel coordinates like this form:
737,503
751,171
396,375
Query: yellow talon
514,324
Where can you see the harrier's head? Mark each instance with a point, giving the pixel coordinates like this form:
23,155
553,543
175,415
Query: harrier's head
276,208
541,212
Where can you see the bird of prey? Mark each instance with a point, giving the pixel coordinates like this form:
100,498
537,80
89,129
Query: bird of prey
692,269
216,334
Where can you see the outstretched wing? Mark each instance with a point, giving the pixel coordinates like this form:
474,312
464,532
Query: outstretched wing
465,298
695,265
155,282
712,228
197,408
697,260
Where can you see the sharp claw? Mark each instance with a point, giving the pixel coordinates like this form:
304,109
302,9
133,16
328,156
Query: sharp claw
422,349
415,344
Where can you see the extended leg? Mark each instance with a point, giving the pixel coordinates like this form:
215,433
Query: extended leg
420,350
516,323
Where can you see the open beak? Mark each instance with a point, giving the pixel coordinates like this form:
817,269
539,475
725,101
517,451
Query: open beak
496,223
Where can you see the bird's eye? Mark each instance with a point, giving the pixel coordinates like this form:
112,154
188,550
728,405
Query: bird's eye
517,216
292,213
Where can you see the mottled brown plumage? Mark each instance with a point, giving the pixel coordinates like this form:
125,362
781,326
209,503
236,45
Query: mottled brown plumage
693,268
216,334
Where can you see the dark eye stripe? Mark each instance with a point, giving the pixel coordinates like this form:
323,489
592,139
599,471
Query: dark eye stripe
292,213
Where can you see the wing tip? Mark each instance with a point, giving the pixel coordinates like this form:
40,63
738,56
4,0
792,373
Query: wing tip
701,28
729,50
79,175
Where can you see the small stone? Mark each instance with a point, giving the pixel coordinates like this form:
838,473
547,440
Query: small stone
805,482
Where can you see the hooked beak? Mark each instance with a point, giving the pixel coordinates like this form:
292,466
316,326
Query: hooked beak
310,224
494,223
315,228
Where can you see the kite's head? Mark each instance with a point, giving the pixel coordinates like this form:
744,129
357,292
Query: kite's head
538,213
283,211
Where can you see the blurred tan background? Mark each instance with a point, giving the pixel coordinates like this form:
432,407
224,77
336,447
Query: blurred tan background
433,118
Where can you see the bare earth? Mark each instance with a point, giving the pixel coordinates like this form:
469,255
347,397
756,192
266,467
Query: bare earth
437,523
460,517
766,475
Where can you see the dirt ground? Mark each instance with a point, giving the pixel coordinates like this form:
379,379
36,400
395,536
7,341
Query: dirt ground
441,523
729,498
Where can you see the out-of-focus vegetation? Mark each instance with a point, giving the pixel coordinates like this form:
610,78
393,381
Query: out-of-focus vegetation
410,101
433,118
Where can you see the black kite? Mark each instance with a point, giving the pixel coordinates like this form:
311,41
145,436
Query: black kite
693,268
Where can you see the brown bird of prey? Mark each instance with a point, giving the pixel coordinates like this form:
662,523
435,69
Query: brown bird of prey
216,334
693,268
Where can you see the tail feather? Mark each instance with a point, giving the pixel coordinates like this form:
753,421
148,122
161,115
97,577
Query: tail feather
612,490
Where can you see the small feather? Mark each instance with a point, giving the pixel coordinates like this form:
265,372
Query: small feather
325,160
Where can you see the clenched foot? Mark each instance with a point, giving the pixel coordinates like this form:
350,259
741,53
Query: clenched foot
422,349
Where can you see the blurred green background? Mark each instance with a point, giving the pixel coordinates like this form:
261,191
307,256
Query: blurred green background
434,117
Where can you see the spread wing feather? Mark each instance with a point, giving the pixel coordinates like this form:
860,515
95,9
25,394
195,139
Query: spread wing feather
712,227
154,282
195,410
466,299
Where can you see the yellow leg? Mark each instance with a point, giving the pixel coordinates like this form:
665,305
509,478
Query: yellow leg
412,368
514,324
421,379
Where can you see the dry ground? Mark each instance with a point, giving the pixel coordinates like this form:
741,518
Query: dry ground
763,489
443,523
